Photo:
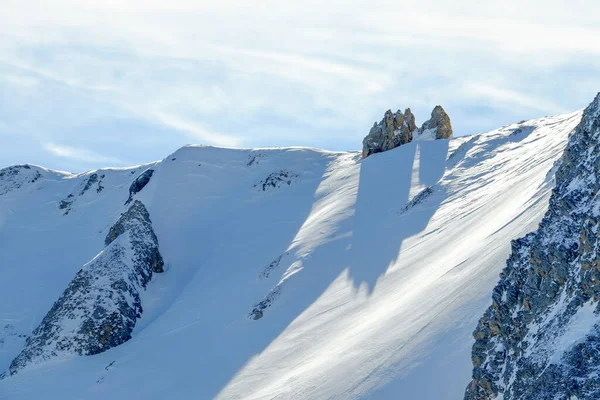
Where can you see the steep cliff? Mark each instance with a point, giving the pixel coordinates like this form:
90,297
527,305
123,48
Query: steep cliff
540,338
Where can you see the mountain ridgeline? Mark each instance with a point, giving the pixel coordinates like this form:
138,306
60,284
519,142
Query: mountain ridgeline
304,273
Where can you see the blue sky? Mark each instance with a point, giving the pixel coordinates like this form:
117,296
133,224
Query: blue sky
92,83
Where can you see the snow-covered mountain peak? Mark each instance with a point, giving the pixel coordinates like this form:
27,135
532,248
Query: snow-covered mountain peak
25,175
288,272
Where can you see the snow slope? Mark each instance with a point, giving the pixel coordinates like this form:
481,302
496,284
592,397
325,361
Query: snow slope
289,273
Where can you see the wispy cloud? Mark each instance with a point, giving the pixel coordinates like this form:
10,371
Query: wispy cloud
196,131
79,154
511,98
313,73
18,80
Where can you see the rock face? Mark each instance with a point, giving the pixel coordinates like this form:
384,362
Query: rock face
396,129
393,130
139,183
438,126
540,338
101,305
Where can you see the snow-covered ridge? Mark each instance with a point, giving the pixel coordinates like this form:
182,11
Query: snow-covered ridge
374,271
101,305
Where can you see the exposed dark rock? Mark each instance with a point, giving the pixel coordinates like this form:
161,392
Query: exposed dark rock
551,284
522,130
64,204
254,158
67,204
277,179
259,308
101,305
91,180
273,265
139,183
418,199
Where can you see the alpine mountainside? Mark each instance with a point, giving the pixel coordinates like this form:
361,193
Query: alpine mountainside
540,338
268,273
101,305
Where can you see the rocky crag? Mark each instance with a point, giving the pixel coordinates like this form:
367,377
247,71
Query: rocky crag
139,183
396,129
101,305
438,126
540,338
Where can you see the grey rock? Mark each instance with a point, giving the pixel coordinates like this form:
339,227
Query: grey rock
272,266
552,275
277,179
101,305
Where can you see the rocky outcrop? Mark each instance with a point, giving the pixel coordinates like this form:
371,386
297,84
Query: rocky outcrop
540,338
93,179
396,129
139,183
259,308
438,126
12,178
393,130
67,204
418,199
101,305
276,180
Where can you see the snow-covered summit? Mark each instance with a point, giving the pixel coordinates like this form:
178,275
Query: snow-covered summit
288,273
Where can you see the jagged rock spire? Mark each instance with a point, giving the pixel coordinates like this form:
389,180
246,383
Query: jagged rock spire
439,124
396,129
393,130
